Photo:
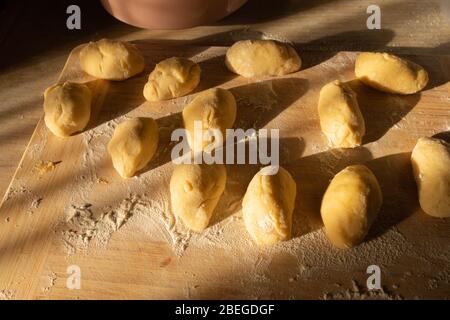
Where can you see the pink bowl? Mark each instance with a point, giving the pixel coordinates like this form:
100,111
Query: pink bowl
170,14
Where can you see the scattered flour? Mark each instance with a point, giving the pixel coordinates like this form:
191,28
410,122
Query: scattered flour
35,203
52,277
83,226
19,191
442,277
358,292
6,295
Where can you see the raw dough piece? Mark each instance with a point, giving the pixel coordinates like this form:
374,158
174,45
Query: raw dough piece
340,118
216,109
431,166
67,108
268,205
389,73
133,145
172,78
195,190
350,205
111,60
259,58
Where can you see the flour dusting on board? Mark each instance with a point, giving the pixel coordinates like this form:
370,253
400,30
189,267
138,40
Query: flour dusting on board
51,279
6,294
358,292
103,205
143,204
85,225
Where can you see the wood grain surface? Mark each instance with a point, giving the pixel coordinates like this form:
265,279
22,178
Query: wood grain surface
151,255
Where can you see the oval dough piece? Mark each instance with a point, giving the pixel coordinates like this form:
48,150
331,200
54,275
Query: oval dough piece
172,78
350,205
111,60
340,117
67,108
216,109
431,166
256,58
195,190
389,73
268,205
133,145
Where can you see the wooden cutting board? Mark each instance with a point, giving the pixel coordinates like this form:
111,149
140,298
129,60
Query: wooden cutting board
67,207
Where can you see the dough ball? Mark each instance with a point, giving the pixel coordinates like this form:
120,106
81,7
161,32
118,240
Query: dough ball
340,118
389,73
216,109
133,145
350,205
172,78
431,166
268,205
111,60
67,108
259,58
195,190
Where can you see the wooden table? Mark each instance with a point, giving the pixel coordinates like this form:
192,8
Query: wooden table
35,44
